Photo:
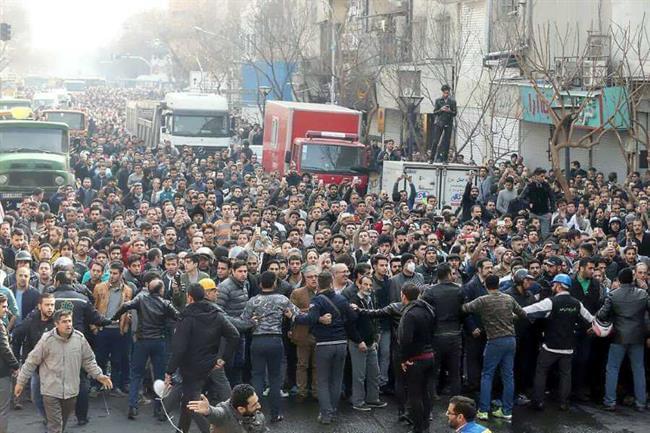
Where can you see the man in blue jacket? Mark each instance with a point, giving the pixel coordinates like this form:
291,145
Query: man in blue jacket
460,415
331,342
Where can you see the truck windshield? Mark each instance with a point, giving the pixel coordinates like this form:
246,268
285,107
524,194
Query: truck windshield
38,139
201,125
8,105
73,120
327,158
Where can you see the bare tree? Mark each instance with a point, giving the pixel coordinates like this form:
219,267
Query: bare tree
567,76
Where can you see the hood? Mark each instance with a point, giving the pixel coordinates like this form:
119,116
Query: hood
202,311
32,161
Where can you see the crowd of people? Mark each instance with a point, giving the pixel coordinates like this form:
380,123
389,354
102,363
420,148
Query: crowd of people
202,270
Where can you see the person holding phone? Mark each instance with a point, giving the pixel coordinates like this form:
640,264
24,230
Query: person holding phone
445,110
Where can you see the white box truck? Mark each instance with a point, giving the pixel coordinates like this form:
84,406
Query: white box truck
444,181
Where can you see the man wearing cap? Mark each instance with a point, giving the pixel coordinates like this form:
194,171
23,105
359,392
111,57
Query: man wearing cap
561,312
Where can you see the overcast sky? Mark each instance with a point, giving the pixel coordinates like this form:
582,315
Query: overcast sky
73,29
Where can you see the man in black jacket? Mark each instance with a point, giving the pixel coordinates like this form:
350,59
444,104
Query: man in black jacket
540,196
445,111
415,335
587,290
626,308
153,313
8,365
447,299
196,347
363,352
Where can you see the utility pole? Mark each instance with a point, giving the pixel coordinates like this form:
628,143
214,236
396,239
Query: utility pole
333,53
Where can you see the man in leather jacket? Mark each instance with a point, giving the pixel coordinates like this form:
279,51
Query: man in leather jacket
626,308
153,313
239,414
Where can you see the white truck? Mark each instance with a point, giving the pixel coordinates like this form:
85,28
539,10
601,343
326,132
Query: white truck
183,118
445,181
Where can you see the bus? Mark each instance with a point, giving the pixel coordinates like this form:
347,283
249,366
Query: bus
33,154
76,120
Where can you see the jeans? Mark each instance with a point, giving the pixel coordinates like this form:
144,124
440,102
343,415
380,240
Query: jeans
440,142
546,360
267,352
110,345
143,350
499,352
218,387
419,383
235,368
365,374
191,390
6,392
474,350
384,355
37,397
330,362
173,401
448,349
582,364
616,354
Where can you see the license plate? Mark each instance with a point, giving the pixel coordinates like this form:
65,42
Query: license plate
11,195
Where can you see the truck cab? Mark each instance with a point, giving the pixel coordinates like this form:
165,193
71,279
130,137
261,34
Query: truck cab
320,139
33,154
330,156
76,120
195,119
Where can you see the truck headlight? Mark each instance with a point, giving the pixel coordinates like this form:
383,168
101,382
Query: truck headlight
59,180
3,179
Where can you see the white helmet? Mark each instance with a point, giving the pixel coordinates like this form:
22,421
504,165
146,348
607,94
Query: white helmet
600,328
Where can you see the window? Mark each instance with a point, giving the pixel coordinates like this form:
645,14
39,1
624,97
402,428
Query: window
506,8
443,36
274,132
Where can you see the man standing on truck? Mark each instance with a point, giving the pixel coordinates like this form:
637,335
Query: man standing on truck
445,111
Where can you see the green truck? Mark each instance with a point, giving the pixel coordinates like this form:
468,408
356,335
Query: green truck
33,154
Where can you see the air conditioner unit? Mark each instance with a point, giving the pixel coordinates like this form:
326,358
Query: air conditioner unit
594,73
379,25
567,71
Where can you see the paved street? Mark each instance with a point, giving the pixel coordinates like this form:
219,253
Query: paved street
301,418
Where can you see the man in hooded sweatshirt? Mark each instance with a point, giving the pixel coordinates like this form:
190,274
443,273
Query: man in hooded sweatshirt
196,347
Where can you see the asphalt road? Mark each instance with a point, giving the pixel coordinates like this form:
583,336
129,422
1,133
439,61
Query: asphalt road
302,418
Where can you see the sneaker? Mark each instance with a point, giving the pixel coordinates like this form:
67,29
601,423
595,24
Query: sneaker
499,414
483,416
284,394
266,391
324,420
116,392
361,407
376,404
522,400
609,408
